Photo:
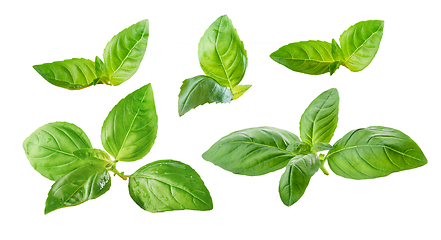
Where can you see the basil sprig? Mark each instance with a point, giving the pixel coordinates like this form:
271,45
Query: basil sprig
122,57
62,152
363,153
223,59
359,45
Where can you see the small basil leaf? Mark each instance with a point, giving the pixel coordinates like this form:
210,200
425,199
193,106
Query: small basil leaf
239,90
222,55
101,73
252,151
337,54
320,118
374,152
310,57
296,177
71,74
124,53
129,131
360,43
168,185
334,66
299,148
199,90
82,184
50,149
318,147
96,157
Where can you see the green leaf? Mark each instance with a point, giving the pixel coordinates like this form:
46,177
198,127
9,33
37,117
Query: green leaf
101,72
82,184
299,148
296,177
124,53
96,157
50,149
360,43
129,131
168,185
337,53
310,57
252,151
374,152
319,120
318,147
71,74
199,90
334,66
222,55
239,90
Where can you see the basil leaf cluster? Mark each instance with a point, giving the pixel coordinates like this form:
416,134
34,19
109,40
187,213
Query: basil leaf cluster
223,59
62,152
364,153
359,45
122,57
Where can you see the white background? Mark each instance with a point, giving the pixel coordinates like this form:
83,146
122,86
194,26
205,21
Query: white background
399,89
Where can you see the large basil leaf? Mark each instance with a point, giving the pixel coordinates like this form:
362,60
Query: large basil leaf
72,74
50,149
96,157
222,55
199,90
129,131
310,57
82,184
360,43
319,120
252,151
168,185
374,152
296,177
124,53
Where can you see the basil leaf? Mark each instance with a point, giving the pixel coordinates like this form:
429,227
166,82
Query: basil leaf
320,118
239,90
72,74
318,147
168,185
337,53
82,184
101,73
222,55
124,53
296,177
129,131
199,90
96,157
334,66
360,43
374,152
50,149
310,57
252,151
299,148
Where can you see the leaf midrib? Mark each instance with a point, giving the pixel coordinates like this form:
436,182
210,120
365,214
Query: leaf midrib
348,59
375,146
220,57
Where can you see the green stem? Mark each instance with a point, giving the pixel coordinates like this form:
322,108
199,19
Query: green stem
120,174
324,170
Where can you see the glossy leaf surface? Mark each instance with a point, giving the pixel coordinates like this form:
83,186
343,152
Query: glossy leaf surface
96,157
50,149
320,118
252,151
168,185
199,90
72,74
124,53
296,177
239,90
310,57
82,184
360,43
222,55
129,131
374,152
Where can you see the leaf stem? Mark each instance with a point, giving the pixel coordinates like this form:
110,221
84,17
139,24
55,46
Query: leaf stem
120,174
324,170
